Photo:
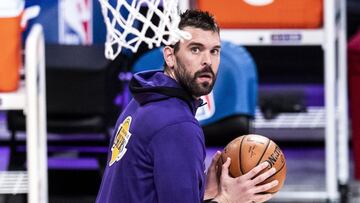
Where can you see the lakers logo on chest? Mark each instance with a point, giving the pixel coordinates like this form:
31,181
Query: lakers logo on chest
121,139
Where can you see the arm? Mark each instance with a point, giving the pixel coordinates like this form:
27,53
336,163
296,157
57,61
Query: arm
178,153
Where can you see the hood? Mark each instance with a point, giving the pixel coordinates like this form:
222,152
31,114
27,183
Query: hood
150,86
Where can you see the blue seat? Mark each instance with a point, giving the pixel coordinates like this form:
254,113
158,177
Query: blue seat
235,91
150,60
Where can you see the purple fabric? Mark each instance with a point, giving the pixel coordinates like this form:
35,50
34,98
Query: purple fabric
73,163
4,158
2,115
164,152
83,149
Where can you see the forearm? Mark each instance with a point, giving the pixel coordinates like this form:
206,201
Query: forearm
210,193
178,164
217,199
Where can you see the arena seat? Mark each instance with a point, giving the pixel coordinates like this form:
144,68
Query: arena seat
81,86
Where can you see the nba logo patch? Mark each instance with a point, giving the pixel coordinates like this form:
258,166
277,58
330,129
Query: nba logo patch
207,110
75,21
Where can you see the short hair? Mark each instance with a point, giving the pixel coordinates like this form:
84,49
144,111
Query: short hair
197,19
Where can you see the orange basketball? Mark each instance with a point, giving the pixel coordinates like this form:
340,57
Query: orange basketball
248,151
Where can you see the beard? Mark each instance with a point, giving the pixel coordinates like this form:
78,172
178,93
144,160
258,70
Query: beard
189,82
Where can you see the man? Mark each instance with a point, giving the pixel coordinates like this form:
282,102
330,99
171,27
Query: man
157,153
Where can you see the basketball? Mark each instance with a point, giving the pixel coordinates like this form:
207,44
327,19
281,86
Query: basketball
248,151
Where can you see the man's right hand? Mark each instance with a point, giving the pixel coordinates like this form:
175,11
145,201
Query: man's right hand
245,188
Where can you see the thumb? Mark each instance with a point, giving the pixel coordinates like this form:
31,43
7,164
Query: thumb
215,160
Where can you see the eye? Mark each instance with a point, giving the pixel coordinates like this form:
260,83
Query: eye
215,51
195,50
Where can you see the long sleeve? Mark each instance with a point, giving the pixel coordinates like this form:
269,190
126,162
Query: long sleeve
178,153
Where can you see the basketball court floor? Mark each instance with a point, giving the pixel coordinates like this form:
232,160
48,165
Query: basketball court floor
74,174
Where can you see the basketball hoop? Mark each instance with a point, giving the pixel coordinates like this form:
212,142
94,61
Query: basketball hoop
128,27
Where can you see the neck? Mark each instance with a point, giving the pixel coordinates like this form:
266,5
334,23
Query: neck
170,74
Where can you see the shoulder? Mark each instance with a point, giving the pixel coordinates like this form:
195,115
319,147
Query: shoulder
166,113
180,134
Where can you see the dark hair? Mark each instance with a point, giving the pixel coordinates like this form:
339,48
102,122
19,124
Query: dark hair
197,19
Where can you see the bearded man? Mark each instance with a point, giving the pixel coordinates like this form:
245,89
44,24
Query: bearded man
157,151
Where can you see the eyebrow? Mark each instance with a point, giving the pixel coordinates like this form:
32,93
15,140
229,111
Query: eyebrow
202,45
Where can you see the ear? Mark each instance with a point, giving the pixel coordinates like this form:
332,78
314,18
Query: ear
169,56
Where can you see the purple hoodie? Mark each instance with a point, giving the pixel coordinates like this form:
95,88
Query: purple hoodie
157,150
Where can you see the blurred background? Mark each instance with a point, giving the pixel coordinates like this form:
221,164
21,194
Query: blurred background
271,82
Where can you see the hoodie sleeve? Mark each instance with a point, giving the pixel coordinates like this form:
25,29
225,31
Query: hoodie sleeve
178,153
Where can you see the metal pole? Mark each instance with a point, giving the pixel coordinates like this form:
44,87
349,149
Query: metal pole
42,121
343,123
184,4
36,165
330,97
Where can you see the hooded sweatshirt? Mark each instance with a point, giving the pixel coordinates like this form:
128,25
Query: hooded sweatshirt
157,150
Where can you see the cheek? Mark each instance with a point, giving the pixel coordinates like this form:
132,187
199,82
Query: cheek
190,65
216,64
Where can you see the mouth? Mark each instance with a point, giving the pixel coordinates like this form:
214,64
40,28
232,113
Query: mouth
205,77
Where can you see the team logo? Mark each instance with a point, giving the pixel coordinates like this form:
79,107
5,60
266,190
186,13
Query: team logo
122,137
259,2
208,110
75,21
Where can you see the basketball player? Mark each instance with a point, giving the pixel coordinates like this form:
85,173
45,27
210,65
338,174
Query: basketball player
157,151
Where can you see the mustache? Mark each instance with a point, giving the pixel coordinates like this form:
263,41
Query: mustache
206,69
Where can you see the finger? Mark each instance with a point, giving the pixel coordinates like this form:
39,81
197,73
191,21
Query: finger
253,172
265,187
215,159
263,198
264,176
225,168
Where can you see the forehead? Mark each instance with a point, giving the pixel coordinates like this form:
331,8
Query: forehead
204,37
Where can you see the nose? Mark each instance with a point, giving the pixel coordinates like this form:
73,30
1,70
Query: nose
206,59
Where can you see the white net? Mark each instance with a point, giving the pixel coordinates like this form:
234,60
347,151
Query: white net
131,22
